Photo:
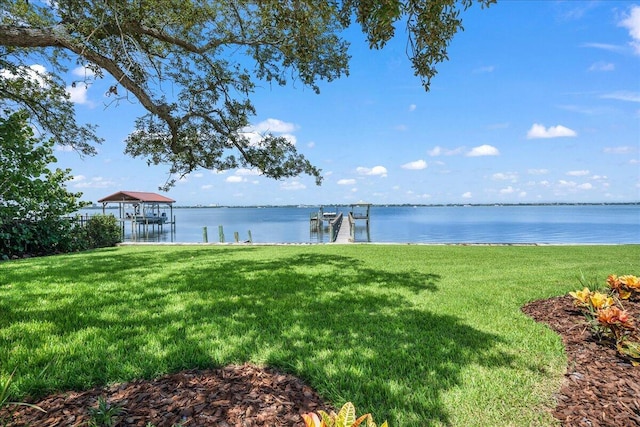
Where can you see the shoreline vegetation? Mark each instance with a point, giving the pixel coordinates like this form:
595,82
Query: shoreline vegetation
387,205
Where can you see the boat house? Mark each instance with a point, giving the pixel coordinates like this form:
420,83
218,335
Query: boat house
141,209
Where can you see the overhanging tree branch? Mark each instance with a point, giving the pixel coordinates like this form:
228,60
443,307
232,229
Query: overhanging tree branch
202,49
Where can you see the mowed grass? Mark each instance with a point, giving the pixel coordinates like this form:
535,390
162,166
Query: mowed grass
417,335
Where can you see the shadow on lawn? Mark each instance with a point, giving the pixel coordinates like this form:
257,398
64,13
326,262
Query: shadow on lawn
352,330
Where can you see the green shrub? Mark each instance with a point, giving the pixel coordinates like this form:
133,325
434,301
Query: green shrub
50,235
44,236
103,231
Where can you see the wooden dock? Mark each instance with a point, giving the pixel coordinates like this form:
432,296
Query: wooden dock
344,233
341,228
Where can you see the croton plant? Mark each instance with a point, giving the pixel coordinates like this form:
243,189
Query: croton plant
607,316
346,417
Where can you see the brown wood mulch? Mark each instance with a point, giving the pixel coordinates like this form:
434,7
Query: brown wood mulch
600,389
233,396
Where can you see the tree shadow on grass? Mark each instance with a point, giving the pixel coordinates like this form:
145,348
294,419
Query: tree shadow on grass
354,331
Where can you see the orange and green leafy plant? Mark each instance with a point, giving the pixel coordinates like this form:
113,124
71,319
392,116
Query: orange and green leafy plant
590,300
627,286
346,417
609,320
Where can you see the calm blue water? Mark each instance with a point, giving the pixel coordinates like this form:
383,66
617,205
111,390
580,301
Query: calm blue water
450,224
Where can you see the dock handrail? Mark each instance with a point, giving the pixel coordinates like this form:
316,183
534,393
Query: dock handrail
334,227
352,227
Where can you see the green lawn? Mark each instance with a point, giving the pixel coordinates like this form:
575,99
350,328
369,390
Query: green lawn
417,335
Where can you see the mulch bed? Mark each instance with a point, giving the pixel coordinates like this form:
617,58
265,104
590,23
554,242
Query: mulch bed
238,396
600,389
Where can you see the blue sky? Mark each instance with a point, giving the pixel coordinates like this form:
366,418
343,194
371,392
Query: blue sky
539,102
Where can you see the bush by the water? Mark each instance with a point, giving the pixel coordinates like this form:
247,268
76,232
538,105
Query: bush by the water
36,237
103,231
47,236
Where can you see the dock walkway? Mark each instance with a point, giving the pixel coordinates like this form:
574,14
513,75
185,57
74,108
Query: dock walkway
344,233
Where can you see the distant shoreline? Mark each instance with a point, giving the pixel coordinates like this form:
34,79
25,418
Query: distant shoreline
391,205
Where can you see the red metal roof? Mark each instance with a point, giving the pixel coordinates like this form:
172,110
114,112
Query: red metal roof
136,196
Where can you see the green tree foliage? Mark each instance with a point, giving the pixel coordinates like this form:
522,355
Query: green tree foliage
33,196
193,65
29,188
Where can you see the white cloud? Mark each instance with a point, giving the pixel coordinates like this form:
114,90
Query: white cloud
346,181
483,150
578,173
413,107
290,137
95,182
234,179
274,126
66,148
623,96
632,23
507,190
277,127
505,176
539,131
563,183
311,144
292,186
374,171
467,195
572,185
619,150
604,46
538,171
590,111
435,151
247,172
574,10
416,165
83,72
602,66
207,187
440,151
485,69
36,73
78,94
